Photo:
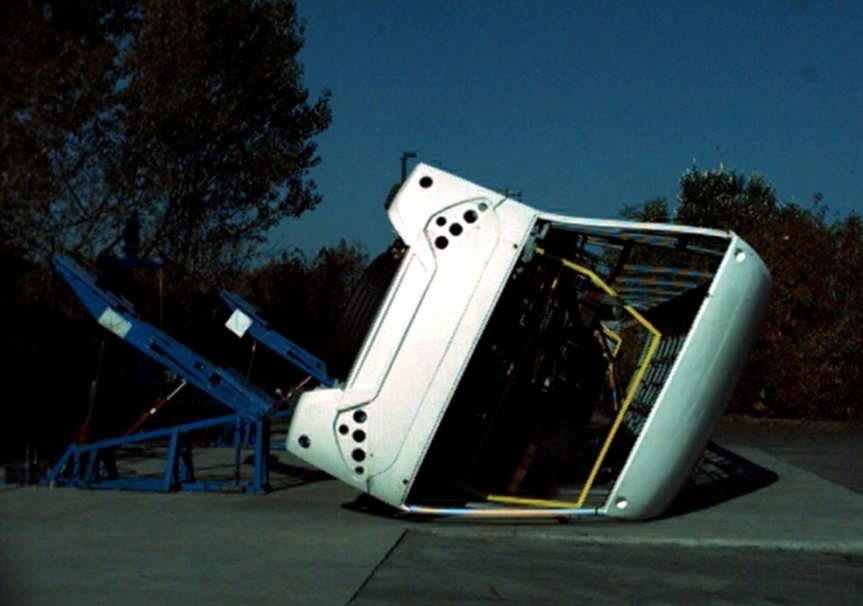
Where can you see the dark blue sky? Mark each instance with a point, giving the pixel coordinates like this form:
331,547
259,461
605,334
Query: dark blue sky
582,106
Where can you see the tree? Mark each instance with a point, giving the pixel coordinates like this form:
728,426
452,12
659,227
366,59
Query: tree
804,363
652,211
218,139
55,74
191,113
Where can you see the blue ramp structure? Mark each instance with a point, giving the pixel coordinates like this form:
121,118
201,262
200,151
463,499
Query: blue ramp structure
92,464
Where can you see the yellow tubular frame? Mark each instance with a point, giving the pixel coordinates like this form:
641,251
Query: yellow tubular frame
618,341
630,394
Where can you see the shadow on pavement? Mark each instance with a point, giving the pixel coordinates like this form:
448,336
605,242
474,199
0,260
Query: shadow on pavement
719,476
285,475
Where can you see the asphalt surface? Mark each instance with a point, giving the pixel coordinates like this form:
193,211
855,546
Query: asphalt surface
775,516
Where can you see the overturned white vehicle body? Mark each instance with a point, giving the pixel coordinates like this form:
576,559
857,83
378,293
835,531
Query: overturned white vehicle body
503,361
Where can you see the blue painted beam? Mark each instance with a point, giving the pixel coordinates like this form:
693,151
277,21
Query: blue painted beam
245,320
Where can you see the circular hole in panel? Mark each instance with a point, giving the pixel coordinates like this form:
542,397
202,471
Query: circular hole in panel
455,229
304,441
359,435
740,256
482,206
426,182
359,470
470,216
360,416
358,454
621,503
441,242
343,429
440,221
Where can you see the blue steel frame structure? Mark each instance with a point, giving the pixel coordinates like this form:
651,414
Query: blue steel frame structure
92,465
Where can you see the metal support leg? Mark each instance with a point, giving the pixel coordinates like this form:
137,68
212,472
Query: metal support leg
262,454
171,478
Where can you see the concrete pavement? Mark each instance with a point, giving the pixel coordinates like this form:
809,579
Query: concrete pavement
779,529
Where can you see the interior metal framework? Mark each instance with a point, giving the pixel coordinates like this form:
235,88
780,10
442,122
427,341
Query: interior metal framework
568,368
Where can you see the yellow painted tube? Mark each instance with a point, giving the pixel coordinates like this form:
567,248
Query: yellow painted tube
618,340
529,502
639,374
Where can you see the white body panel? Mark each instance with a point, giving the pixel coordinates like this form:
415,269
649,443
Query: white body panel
411,360
698,388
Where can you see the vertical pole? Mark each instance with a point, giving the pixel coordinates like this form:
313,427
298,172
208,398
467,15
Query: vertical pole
90,471
171,463
237,446
262,455
405,156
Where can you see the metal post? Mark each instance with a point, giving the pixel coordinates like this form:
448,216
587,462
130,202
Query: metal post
405,156
171,468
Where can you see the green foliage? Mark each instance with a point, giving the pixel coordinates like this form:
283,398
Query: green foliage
191,113
218,128
56,73
725,200
806,361
652,211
